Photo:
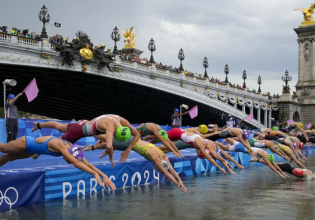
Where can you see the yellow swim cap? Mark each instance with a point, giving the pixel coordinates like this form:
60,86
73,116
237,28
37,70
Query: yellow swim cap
203,129
300,125
313,129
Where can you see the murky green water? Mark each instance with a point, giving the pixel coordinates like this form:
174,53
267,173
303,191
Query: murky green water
255,193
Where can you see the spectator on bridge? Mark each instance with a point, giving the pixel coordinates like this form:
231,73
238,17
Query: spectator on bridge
13,31
230,122
37,37
176,118
12,124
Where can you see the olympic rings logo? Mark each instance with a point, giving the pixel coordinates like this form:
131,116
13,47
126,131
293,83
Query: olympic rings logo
3,197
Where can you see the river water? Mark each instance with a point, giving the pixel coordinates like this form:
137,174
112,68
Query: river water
254,193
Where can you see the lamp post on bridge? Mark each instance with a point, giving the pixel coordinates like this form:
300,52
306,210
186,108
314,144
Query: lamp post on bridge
152,48
244,77
286,78
181,57
205,65
42,17
115,37
226,71
259,82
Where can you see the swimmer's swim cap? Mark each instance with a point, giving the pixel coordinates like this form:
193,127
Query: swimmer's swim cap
203,129
123,134
295,144
300,125
245,134
76,151
301,145
275,128
200,155
165,164
163,134
262,130
271,158
313,129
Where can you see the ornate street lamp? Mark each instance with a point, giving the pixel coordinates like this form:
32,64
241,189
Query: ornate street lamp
244,77
152,48
42,17
115,37
205,65
181,57
259,82
226,71
286,79
57,25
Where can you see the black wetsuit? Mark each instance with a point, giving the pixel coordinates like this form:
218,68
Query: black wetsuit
286,167
303,139
222,134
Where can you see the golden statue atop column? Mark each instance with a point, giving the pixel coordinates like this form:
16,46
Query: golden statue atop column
308,15
130,38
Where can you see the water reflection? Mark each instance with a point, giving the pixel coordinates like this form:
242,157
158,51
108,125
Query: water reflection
255,193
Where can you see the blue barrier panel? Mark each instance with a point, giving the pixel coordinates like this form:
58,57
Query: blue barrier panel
18,188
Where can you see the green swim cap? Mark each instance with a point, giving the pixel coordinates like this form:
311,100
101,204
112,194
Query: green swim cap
275,128
163,134
123,134
271,158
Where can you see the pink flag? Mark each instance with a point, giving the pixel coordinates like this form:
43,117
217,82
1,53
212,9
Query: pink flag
250,117
290,121
31,91
309,125
193,112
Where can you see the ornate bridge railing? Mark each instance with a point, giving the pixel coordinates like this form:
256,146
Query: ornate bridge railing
220,96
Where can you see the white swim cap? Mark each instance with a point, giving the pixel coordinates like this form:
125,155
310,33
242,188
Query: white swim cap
165,164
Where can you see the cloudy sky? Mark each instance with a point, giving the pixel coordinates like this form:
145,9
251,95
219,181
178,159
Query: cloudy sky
252,35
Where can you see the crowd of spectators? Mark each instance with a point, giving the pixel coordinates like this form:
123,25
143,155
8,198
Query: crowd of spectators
57,39
131,57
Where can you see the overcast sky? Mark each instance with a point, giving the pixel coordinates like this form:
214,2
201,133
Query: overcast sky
252,35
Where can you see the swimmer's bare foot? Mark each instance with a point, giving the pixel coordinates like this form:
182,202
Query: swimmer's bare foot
88,148
35,127
104,154
35,156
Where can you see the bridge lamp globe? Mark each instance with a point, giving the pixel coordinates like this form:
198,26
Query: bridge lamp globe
181,57
115,37
152,48
244,77
259,82
226,71
205,65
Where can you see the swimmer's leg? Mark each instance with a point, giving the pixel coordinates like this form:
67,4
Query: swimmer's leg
5,158
50,124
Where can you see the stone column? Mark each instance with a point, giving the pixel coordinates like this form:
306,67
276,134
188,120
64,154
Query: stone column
258,114
265,118
301,58
243,108
312,60
269,119
251,109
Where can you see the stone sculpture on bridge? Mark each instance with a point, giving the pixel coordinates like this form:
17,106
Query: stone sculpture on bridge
81,49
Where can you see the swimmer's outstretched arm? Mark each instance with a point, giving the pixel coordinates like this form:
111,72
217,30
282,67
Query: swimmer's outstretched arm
209,135
246,144
180,184
107,143
106,180
224,162
211,160
228,156
158,164
136,136
290,144
274,164
258,133
79,164
178,153
270,165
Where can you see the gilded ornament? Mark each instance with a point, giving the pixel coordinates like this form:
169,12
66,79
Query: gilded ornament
195,88
86,52
84,68
130,38
38,60
46,55
153,76
8,56
117,69
308,15
19,58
